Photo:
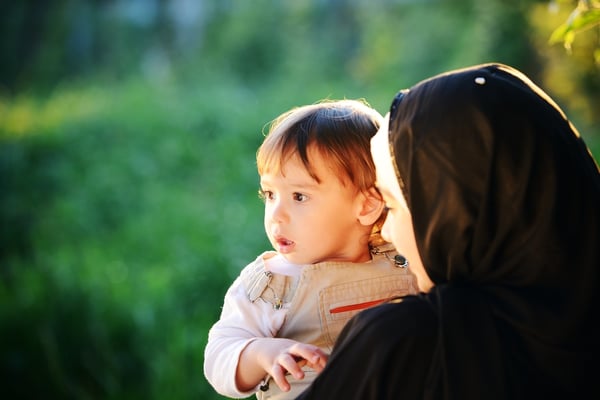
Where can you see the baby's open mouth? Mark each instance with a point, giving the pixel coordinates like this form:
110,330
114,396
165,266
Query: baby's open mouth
284,242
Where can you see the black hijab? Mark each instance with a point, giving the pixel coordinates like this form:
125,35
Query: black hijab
505,204
504,197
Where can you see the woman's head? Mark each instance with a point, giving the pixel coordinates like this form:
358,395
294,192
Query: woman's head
398,227
492,172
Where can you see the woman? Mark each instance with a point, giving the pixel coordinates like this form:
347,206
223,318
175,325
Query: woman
494,200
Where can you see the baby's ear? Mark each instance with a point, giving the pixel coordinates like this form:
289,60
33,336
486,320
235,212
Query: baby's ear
372,205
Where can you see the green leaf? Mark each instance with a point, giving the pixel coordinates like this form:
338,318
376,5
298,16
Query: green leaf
580,19
586,19
558,35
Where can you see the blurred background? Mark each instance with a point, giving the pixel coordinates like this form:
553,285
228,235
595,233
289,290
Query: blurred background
128,130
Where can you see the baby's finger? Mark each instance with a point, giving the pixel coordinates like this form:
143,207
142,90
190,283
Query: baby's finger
319,365
292,364
278,375
313,355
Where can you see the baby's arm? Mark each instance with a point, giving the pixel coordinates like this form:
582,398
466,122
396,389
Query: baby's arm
240,323
241,350
276,357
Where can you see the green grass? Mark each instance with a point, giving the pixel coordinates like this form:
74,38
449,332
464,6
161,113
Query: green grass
129,210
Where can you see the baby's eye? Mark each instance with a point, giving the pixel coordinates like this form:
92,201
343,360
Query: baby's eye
265,195
300,197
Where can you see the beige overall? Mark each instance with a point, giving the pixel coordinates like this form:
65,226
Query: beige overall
322,299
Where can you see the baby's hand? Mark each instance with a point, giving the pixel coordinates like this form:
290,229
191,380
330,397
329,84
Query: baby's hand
292,359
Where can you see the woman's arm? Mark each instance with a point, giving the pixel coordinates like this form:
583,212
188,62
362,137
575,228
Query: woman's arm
387,352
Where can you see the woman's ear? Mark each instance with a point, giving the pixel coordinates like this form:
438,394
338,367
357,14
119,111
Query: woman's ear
371,207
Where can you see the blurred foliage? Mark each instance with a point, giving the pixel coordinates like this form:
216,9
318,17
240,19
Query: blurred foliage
128,131
585,16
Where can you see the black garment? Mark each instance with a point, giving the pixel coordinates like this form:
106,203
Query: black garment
378,341
505,204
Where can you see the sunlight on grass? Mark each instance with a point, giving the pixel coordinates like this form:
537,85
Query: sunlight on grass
27,114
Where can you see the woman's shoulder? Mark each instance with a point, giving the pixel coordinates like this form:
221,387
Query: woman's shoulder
409,316
415,307
396,341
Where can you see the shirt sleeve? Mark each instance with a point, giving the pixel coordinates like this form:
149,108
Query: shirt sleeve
240,323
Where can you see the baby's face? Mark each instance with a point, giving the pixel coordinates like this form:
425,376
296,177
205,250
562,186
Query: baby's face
309,221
